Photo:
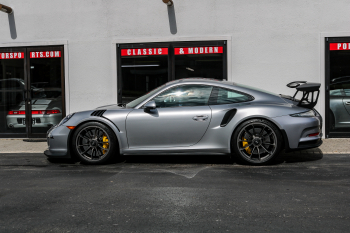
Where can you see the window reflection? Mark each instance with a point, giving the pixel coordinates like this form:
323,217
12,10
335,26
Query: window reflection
141,74
339,93
181,96
12,92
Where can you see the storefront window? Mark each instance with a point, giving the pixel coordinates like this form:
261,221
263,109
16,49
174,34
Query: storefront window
205,62
339,91
142,70
143,67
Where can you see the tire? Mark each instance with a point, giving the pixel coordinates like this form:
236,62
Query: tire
94,143
256,141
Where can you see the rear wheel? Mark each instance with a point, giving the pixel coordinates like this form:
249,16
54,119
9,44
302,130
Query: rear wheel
256,141
94,143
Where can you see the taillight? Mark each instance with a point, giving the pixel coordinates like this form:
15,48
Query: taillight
52,111
16,112
35,112
313,134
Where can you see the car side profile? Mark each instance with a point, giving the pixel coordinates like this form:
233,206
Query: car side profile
193,115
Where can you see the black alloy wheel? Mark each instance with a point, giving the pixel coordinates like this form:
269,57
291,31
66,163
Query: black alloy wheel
256,141
94,143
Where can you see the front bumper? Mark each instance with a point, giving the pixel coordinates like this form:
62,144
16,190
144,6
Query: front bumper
57,141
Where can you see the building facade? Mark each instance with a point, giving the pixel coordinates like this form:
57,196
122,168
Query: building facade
63,56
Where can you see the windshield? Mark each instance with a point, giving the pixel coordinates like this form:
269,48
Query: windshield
139,100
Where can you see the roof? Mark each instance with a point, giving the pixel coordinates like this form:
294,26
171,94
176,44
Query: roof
199,79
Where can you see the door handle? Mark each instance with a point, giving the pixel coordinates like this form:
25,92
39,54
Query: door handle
200,118
347,103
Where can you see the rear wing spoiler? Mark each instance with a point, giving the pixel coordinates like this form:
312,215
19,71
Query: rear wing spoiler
310,93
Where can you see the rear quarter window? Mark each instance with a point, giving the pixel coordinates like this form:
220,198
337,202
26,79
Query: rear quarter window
226,96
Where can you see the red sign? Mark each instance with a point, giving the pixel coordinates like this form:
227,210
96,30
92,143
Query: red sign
144,51
12,55
45,54
339,46
198,50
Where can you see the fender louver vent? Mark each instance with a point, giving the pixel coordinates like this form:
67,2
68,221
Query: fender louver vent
228,117
98,113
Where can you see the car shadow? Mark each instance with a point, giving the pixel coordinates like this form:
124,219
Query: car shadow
177,159
301,156
220,159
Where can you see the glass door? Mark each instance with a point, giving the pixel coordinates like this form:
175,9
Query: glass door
338,87
13,92
46,92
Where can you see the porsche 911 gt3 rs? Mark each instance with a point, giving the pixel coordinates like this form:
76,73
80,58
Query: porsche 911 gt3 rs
194,115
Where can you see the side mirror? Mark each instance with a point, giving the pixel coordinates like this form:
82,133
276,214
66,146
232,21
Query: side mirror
150,105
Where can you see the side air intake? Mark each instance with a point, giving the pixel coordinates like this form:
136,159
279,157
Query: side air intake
98,113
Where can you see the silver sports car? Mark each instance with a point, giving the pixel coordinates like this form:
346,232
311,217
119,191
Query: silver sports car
193,115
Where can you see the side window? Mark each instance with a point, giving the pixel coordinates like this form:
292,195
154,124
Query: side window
11,84
341,87
346,88
226,96
182,96
336,90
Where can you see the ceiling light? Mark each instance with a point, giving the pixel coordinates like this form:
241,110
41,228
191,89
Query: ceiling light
168,2
6,9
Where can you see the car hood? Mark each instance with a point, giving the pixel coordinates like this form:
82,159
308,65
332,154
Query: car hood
110,107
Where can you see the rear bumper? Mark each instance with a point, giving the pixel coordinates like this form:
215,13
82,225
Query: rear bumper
296,131
309,145
39,120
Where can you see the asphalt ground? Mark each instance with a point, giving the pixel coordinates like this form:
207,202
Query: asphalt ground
298,193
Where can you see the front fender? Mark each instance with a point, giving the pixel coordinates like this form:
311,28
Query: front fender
121,136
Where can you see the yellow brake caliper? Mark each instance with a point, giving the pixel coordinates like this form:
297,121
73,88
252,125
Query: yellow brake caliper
105,143
245,144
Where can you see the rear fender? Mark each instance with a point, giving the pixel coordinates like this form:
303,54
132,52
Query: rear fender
271,120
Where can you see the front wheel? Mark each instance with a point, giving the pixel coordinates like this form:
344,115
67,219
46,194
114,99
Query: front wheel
94,143
256,141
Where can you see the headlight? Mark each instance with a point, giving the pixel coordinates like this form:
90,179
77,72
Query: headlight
304,114
64,120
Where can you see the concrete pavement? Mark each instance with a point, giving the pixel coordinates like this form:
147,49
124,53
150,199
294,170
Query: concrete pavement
329,146
299,193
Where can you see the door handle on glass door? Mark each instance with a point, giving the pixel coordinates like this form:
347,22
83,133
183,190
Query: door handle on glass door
200,118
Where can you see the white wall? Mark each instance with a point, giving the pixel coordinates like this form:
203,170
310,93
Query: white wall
273,41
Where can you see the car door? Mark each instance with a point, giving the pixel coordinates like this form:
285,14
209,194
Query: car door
180,119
